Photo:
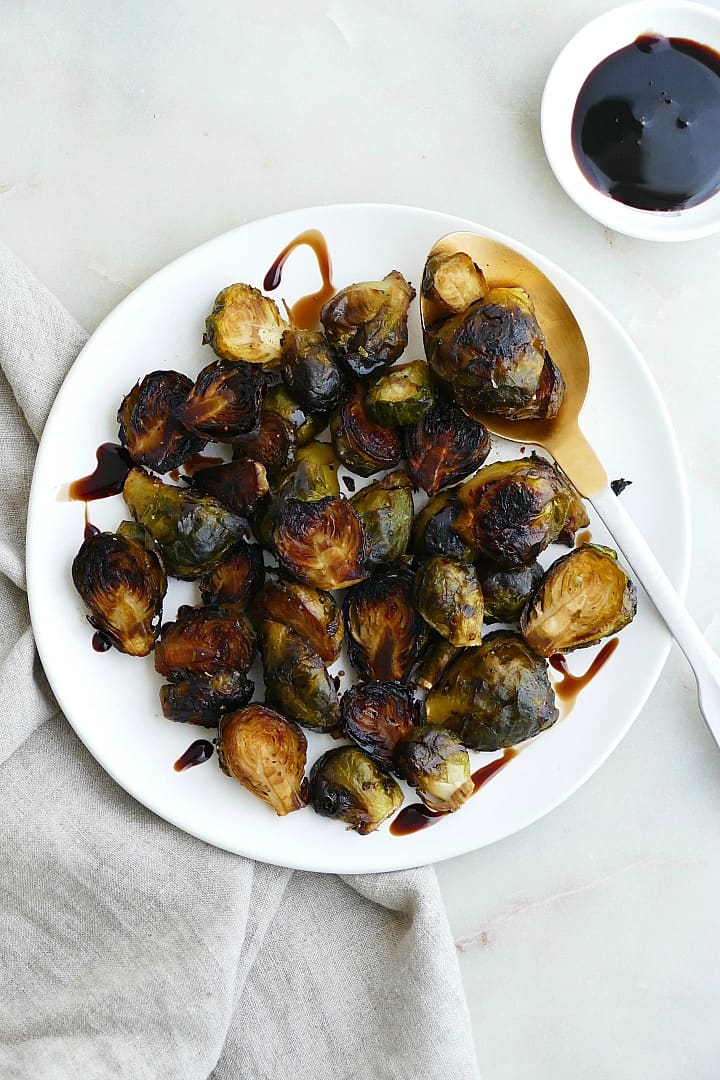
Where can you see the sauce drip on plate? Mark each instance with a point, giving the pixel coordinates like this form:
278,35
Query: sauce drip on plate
305,312
197,752
569,686
113,465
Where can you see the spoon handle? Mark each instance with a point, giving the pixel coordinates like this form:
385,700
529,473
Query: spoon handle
649,573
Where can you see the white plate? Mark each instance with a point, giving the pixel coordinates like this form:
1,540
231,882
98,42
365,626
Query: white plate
112,700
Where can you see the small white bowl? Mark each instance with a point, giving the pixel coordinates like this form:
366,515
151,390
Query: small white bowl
597,40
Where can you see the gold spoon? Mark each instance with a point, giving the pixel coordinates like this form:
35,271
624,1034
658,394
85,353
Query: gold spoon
564,440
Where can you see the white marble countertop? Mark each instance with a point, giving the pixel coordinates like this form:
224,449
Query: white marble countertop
131,132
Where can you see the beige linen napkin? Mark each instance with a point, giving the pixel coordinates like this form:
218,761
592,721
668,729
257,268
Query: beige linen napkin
132,950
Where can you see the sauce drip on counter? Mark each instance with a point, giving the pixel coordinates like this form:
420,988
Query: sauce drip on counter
584,536
198,752
100,642
113,465
646,126
417,816
305,312
568,688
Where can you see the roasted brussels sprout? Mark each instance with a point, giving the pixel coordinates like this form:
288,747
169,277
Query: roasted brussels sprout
321,543
224,404
238,485
296,680
273,446
385,634
313,474
305,425
449,597
311,612
367,322
432,665
311,370
437,765
193,531
494,696
203,699
345,783
506,591
122,582
511,510
444,446
584,597
363,445
267,754
245,325
401,395
148,427
386,511
237,578
452,281
204,641
433,533
376,715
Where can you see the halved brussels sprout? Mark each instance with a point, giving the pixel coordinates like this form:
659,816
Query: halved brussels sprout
122,582
148,427
204,641
401,395
377,715
452,281
584,597
296,680
203,699
224,404
273,445
311,612
313,474
449,598
345,783
386,511
194,532
311,371
238,485
433,663
506,591
385,634
363,445
433,533
305,425
511,510
494,696
266,753
237,578
245,325
437,765
322,543
367,322
444,446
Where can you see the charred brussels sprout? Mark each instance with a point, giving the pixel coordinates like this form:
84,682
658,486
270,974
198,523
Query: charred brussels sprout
237,578
444,446
311,612
313,474
266,753
494,696
506,591
311,371
449,598
224,404
203,699
296,680
583,597
511,510
433,533
386,511
362,444
245,325
401,395
345,783
433,663
238,485
204,641
122,582
377,715
305,425
321,543
437,765
452,281
272,446
385,634
148,427
367,322
193,531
